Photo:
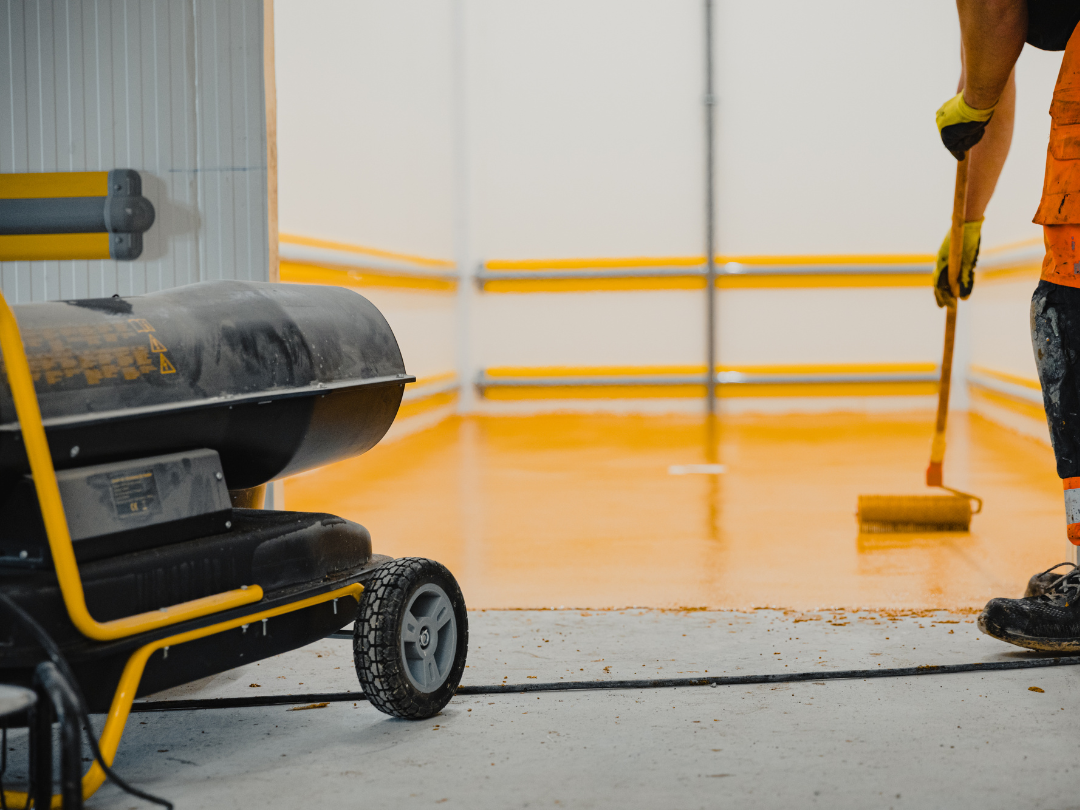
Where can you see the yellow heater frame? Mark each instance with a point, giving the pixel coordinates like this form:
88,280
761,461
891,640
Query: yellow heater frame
28,412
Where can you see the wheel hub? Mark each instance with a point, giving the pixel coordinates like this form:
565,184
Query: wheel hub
428,637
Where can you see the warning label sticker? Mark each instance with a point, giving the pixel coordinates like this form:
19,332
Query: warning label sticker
134,493
113,352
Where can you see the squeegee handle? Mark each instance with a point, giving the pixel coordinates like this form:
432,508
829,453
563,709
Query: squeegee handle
934,475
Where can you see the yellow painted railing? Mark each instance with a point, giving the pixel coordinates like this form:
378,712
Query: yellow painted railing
306,260
1018,261
53,246
689,273
687,381
428,393
1013,392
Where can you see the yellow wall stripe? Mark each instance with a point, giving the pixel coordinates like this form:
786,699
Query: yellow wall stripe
54,246
1004,376
431,379
1014,404
307,241
645,390
860,389
1023,267
306,273
539,285
695,261
724,282
596,263
1032,242
623,371
772,280
1019,272
819,280
53,184
425,404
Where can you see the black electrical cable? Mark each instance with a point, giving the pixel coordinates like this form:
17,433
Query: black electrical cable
603,686
53,652
3,767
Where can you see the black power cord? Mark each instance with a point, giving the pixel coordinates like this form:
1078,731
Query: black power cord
604,686
52,650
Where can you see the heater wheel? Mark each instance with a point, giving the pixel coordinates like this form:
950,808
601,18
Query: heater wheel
410,638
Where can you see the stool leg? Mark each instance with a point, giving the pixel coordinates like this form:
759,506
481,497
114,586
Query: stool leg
41,764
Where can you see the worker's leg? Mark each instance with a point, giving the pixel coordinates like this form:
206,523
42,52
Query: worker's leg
1055,299
1055,310
1048,617
1055,340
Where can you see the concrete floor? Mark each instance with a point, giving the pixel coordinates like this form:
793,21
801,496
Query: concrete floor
582,511
971,740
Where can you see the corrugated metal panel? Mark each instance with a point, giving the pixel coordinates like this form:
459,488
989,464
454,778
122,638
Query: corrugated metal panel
173,88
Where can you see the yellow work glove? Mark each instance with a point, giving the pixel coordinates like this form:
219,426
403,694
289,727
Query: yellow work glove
942,291
961,126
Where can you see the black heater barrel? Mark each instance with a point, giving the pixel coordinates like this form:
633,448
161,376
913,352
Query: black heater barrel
277,378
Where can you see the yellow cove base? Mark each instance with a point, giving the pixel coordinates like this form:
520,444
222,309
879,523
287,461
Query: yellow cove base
582,511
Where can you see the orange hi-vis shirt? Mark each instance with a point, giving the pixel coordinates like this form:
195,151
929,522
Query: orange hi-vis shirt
1061,264
1059,209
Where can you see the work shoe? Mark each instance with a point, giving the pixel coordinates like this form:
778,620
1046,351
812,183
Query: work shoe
1049,621
1039,583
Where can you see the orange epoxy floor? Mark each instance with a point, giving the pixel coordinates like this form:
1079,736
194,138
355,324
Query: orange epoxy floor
581,511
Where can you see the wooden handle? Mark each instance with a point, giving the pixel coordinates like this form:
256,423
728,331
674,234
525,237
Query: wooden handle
956,256
956,235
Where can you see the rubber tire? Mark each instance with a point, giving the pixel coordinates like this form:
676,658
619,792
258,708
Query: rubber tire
377,634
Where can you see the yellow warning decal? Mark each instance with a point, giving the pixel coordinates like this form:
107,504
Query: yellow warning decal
141,324
166,366
156,345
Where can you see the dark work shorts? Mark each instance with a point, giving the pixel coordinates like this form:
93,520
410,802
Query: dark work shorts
1055,338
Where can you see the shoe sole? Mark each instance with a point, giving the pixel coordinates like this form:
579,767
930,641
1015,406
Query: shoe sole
1030,642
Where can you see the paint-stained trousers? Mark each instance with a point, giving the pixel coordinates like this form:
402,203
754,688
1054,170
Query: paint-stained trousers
1055,306
1055,339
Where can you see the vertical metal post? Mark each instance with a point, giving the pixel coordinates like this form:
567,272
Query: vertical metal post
463,255
710,218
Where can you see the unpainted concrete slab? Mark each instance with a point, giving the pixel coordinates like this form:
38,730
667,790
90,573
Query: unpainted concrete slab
979,740
957,741
518,646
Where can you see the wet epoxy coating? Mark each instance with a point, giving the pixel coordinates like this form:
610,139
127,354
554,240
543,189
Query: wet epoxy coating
583,511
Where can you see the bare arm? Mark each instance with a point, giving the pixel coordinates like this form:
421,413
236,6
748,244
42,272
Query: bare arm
988,155
992,33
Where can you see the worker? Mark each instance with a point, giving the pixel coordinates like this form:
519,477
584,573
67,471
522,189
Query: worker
980,119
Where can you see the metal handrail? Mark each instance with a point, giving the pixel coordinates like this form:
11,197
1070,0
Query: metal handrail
483,380
430,390
339,259
484,274
1012,390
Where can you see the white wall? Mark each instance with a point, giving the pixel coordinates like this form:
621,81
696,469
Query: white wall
365,148
583,137
364,123
174,90
586,127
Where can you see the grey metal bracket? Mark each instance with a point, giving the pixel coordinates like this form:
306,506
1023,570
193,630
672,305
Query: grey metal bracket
124,214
